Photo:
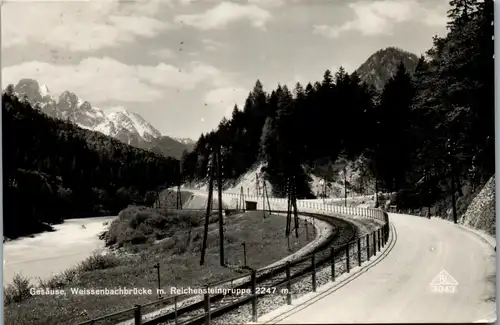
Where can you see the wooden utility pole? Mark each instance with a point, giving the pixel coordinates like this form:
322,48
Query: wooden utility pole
267,197
264,195
291,209
263,204
296,215
179,199
179,196
209,209
257,184
288,212
221,220
294,206
345,186
242,198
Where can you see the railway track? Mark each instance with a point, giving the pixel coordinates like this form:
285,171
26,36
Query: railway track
272,278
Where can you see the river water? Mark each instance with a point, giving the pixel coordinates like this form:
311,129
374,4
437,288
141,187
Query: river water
50,253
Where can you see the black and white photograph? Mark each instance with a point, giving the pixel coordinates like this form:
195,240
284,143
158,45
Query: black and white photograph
212,162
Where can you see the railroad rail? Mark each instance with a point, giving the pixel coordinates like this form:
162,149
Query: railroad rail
350,253
343,246
265,277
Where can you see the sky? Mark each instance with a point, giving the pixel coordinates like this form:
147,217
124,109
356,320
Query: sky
184,64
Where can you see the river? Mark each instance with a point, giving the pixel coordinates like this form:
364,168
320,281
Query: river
51,253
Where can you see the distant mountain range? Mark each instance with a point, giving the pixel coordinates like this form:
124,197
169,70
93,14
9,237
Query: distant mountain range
382,65
126,126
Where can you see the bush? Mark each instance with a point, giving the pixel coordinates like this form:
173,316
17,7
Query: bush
138,237
138,219
18,291
156,221
56,282
97,262
138,225
69,275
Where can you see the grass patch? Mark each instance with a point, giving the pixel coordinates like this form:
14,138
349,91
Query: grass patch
178,255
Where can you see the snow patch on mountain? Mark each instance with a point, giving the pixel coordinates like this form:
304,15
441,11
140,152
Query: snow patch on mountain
185,141
44,90
126,126
133,122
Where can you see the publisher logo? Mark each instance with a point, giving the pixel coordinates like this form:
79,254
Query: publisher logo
444,283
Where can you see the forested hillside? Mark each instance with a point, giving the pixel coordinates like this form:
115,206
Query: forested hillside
54,170
427,135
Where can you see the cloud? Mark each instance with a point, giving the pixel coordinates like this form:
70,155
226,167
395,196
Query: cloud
436,17
209,72
225,13
211,45
267,3
164,53
79,26
273,3
105,79
186,2
373,18
224,99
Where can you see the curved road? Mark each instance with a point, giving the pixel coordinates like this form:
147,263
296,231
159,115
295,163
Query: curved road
398,288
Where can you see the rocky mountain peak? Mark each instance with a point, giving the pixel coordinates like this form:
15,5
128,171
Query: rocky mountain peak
85,106
382,65
68,98
123,125
30,88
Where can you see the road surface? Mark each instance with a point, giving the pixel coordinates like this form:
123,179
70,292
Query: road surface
398,288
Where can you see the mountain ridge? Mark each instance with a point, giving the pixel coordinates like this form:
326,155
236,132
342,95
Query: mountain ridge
125,126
